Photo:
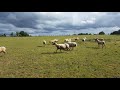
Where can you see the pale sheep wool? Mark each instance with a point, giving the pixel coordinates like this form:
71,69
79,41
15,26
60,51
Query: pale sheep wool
3,49
84,39
52,41
64,46
72,44
44,42
100,42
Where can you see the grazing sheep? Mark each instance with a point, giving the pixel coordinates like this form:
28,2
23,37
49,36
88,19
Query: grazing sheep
84,39
64,46
100,42
44,42
72,44
77,38
67,40
2,49
52,41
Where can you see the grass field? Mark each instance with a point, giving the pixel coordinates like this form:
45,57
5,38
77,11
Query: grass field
27,58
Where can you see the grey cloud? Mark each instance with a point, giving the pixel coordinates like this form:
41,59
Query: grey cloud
23,20
37,23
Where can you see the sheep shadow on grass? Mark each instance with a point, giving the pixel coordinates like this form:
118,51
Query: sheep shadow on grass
40,46
2,54
53,52
43,45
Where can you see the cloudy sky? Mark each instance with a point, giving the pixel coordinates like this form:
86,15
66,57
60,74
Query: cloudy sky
59,23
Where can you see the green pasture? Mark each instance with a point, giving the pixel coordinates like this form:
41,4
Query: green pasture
26,57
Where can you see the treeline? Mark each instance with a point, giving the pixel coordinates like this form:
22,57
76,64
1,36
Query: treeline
84,34
19,34
16,34
100,33
3,35
25,34
115,33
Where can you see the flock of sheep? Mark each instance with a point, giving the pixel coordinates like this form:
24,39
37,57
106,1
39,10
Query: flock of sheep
69,44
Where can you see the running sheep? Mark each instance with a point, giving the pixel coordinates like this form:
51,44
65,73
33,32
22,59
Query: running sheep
64,46
3,49
72,45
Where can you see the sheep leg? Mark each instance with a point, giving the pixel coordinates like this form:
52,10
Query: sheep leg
98,45
71,48
57,49
102,46
60,50
4,52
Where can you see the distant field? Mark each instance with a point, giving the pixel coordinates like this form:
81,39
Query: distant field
27,58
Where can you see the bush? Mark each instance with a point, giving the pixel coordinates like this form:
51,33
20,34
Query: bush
101,33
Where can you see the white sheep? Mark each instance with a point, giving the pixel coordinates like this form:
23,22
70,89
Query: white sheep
52,41
84,39
101,39
100,42
77,38
55,40
44,42
72,44
64,46
67,40
3,49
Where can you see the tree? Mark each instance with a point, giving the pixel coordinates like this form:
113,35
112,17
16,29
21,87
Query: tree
4,35
101,33
22,33
11,34
115,32
17,34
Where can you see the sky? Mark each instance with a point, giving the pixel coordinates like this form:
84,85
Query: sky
59,23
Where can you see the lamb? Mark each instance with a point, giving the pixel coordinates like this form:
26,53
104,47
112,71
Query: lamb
3,49
100,42
72,44
64,46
